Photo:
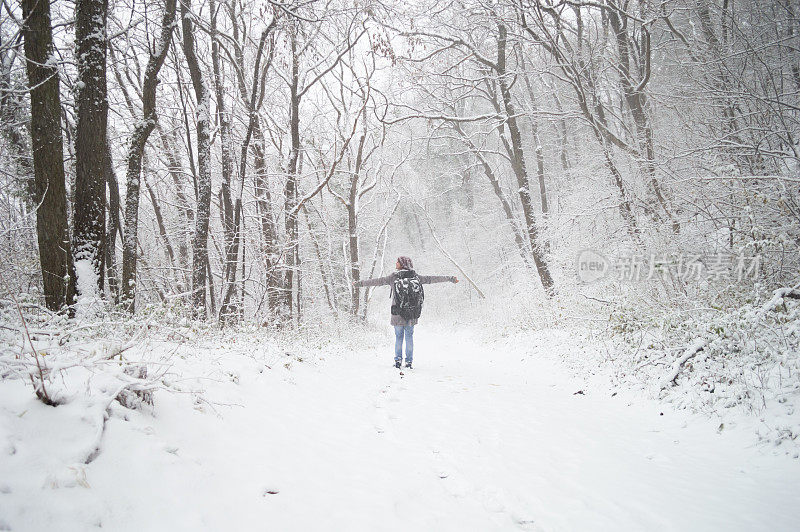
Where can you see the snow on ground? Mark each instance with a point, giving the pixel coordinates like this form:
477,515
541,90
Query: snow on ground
480,435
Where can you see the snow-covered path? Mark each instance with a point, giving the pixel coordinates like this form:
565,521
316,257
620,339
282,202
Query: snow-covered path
468,440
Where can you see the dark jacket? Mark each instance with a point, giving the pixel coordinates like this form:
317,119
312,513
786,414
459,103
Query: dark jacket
389,279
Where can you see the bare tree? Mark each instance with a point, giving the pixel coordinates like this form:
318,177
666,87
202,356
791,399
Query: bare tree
550,32
55,256
297,90
200,264
253,102
498,77
114,227
226,149
138,141
357,181
270,247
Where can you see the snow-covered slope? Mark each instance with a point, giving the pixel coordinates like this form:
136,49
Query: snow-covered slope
478,436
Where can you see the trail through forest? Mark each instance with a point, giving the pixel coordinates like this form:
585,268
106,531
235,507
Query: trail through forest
473,438
196,195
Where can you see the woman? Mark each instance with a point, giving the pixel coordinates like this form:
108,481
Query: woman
403,327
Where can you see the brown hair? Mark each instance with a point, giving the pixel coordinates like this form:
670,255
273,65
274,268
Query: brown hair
406,263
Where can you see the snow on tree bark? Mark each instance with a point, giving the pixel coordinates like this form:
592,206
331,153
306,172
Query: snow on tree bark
200,264
90,144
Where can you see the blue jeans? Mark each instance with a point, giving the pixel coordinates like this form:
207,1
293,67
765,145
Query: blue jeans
399,332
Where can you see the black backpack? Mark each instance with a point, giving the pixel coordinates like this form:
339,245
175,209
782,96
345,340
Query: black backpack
409,295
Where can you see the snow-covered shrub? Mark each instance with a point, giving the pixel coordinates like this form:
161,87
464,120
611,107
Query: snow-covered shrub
712,359
63,359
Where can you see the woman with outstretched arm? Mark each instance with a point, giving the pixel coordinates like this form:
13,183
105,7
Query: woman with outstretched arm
407,295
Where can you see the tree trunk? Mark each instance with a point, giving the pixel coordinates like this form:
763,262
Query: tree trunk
562,129
326,284
136,152
537,141
200,246
352,222
187,214
269,231
290,189
90,140
162,229
112,229
55,255
637,104
228,308
225,196
498,191
518,165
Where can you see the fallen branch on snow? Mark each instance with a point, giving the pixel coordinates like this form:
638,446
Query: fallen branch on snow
698,345
133,385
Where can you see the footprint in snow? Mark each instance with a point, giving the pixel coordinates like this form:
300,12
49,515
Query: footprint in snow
455,486
445,469
525,523
441,468
382,415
